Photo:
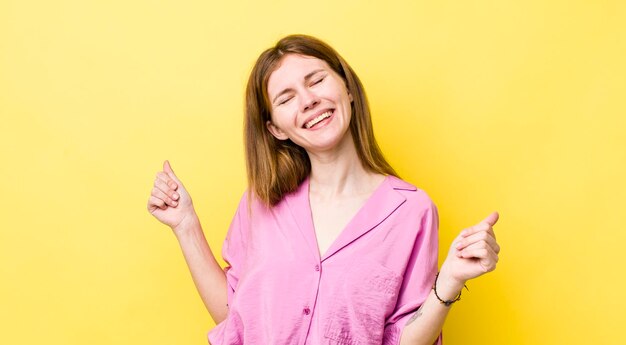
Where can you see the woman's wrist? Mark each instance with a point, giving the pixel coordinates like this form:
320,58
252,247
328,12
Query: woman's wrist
188,225
447,286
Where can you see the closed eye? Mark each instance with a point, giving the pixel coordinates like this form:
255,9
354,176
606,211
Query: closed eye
285,100
318,81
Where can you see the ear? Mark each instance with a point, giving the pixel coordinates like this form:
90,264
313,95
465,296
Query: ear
350,95
276,132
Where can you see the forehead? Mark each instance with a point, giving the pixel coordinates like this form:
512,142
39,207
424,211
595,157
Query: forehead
292,69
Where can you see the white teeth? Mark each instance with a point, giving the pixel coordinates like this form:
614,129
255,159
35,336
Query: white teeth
318,119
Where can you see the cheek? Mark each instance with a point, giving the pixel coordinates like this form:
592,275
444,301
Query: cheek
342,95
349,106
282,117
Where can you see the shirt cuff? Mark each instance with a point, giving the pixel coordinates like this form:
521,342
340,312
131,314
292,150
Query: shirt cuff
393,332
216,335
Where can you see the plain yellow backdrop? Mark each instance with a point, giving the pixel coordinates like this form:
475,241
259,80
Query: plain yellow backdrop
514,106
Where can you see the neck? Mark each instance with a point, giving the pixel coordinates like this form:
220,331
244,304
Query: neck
339,172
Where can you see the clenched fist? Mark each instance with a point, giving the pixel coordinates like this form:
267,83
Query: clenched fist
169,201
474,252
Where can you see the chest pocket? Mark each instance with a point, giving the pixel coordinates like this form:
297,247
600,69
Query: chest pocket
361,304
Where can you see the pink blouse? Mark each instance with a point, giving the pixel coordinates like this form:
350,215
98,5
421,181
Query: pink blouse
363,290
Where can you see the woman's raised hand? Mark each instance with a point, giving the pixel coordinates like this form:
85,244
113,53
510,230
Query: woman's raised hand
473,252
169,201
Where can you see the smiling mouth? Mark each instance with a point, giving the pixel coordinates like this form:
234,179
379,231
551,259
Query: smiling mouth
318,119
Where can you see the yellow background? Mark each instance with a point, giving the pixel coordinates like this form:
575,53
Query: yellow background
515,106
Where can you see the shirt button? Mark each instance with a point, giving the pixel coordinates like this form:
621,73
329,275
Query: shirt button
306,311
317,267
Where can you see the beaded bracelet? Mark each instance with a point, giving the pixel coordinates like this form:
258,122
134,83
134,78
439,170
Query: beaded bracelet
449,302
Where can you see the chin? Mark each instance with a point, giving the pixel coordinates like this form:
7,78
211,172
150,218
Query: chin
330,144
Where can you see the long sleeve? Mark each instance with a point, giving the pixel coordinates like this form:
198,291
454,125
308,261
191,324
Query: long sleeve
418,277
233,252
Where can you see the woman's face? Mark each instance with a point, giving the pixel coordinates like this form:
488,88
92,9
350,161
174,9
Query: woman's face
310,103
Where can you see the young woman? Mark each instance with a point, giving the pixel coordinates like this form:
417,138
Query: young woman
328,245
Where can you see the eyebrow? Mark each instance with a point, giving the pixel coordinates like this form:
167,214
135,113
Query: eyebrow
306,77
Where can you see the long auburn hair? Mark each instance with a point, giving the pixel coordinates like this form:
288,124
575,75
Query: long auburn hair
277,167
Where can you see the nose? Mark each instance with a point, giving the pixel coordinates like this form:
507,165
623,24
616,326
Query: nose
309,100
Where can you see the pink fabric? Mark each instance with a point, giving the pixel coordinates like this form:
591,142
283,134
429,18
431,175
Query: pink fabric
361,291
